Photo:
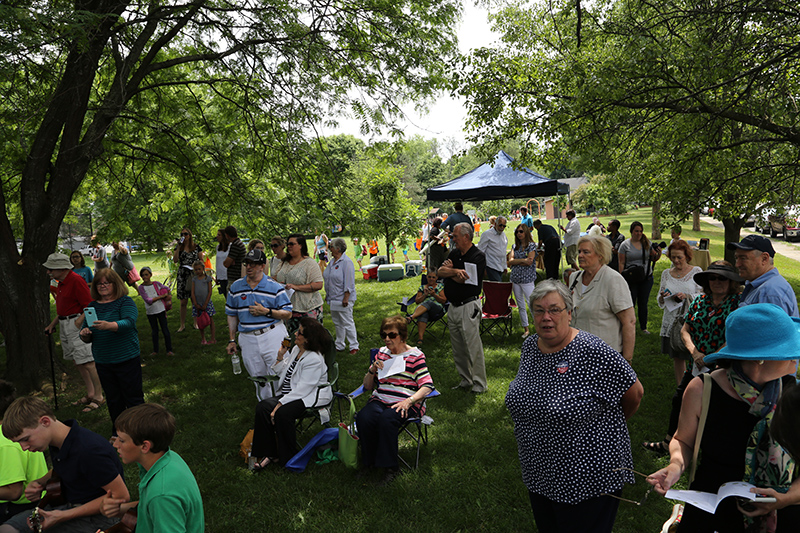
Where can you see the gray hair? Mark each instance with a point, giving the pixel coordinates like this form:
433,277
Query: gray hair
600,244
466,229
338,244
543,288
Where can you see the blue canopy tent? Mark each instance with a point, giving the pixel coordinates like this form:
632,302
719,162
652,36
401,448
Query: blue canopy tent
497,181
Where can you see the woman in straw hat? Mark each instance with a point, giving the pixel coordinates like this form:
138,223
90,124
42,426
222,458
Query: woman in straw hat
736,444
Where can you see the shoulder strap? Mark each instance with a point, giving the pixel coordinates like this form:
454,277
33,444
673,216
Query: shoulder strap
578,276
701,424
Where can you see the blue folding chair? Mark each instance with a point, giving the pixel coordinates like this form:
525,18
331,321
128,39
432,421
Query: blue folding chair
416,427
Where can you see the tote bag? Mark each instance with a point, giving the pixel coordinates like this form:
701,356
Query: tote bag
348,440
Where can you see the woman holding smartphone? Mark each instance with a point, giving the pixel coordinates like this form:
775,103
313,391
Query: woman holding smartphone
115,343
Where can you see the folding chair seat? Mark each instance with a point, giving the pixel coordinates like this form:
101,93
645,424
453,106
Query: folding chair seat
415,427
413,325
318,412
496,311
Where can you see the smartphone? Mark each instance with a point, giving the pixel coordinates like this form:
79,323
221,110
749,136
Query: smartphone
89,315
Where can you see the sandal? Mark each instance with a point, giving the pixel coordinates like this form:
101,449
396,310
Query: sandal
83,401
94,404
661,447
258,466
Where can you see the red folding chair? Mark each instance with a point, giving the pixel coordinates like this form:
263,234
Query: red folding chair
496,316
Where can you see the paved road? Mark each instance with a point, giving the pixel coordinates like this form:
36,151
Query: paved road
790,250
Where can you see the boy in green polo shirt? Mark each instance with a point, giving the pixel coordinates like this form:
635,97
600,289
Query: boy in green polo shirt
169,498
17,467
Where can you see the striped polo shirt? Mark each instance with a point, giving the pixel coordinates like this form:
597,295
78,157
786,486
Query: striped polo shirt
268,293
398,387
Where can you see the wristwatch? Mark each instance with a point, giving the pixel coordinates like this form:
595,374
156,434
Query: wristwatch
270,312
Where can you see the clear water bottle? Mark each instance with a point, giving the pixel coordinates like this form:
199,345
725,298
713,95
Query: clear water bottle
237,367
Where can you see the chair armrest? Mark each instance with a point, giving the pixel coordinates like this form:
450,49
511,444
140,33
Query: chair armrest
263,380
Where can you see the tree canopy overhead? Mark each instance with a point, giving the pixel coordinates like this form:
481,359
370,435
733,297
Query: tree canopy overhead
692,102
184,105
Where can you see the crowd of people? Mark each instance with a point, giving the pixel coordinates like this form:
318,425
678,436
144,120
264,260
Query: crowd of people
570,400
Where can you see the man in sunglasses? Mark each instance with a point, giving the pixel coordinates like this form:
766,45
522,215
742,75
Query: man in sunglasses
763,283
462,272
494,245
256,307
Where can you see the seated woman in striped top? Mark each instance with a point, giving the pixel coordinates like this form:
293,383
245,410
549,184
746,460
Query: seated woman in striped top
396,391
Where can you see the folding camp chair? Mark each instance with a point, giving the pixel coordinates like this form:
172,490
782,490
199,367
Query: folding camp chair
415,427
442,319
318,412
496,311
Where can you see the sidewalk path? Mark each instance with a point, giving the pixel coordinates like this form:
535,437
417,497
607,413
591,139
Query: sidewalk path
790,250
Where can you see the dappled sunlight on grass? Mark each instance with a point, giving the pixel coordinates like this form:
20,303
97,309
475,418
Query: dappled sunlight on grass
469,477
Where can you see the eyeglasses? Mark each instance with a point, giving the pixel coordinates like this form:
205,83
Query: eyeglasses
501,225
646,494
274,245
184,234
390,334
717,278
290,243
103,283
520,231
299,332
554,312
250,264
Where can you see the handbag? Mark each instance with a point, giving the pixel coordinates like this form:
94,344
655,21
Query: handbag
634,274
203,320
676,345
133,275
348,440
162,289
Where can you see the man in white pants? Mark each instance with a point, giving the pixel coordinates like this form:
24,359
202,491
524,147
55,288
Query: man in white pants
340,293
256,307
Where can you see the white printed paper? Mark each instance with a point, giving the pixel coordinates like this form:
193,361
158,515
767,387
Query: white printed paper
392,366
472,273
708,501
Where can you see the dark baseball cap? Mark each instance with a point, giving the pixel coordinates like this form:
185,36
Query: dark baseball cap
255,256
754,242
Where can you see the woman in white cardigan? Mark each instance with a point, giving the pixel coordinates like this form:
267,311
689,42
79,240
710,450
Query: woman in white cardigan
299,376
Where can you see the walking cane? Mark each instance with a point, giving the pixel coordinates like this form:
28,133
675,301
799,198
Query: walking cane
52,369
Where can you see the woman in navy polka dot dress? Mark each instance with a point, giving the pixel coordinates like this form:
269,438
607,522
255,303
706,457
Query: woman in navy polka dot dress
569,403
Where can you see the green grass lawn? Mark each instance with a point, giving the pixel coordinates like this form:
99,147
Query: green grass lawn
469,477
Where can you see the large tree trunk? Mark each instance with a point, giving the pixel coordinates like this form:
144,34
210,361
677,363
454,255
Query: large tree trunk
656,234
24,314
696,220
733,228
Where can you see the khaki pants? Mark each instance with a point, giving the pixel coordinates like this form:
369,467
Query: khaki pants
464,323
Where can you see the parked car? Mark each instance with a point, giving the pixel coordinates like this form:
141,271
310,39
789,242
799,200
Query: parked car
786,223
762,220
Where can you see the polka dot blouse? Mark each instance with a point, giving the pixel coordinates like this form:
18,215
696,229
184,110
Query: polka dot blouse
568,421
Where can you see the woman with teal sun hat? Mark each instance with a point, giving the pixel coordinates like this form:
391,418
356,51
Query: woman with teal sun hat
755,366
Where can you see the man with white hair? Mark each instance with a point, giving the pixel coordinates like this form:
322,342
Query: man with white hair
494,245
462,272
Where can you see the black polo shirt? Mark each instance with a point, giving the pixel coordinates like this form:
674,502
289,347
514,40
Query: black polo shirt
85,463
547,232
458,292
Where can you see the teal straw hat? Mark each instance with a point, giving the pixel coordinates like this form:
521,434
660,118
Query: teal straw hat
760,332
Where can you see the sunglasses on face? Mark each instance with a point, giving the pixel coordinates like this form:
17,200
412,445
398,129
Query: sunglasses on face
184,234
717,278
520,231
390,334
273,245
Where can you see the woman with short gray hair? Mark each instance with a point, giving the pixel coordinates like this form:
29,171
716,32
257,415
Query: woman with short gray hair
340,293
569,402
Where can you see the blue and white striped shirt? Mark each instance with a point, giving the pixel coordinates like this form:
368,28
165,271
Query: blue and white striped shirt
268,293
